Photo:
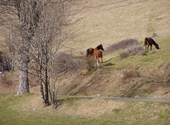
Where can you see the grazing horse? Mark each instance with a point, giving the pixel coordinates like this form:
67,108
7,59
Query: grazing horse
148,42
96,52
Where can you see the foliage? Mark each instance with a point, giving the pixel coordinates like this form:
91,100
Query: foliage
123,44
129,73
5,62
5,80
91,63
39,29
65,62
162,72
134,50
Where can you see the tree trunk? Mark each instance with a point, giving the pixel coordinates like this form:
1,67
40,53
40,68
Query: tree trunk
47,101
24,61
24,83
47,89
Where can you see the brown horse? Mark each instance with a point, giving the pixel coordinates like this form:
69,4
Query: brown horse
149,42
96,52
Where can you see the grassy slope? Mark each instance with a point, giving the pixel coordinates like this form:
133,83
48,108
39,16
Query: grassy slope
109,80
151,60
108,21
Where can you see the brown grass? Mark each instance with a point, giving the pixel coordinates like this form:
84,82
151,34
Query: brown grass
162,72
129,73
90,108
8,83
108,21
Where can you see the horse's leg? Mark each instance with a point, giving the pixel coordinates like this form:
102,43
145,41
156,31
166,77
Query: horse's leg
101,60
150,47
101,56
97,63
146,48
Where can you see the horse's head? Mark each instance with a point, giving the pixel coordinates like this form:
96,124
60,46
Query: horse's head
100,47
157,46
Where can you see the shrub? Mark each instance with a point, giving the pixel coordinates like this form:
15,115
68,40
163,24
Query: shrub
129,73
134,50
5,80
65,62
162,72
91,63
5,62
122,45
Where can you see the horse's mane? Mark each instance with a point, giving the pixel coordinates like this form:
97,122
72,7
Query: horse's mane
100,47
154,43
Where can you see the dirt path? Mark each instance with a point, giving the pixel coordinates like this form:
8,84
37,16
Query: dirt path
160,100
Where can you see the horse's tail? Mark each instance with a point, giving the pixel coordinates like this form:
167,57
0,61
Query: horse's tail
89,52
155,44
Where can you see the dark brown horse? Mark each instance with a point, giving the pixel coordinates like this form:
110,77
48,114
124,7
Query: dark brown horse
149,42
96,52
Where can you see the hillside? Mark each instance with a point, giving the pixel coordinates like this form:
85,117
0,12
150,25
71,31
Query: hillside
135,76
108,21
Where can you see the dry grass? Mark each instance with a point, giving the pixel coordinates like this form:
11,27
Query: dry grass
83,108
162,72
108,22
5,80
8,82
113,82
129,73
32,104
90,108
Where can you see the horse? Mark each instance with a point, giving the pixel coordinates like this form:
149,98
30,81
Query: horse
90,51
96,53
148,42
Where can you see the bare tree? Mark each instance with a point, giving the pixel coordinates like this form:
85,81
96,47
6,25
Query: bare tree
39,24
49,38
27,13
40,27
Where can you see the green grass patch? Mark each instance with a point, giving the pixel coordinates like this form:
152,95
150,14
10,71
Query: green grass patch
151,60
132,113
